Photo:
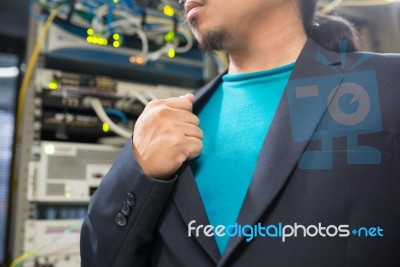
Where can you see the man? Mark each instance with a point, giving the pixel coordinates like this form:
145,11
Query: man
294,161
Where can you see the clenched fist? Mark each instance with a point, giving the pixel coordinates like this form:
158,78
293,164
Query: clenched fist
167,134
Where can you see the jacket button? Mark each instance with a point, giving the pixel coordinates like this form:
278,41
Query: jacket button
126,209
130,199
120,219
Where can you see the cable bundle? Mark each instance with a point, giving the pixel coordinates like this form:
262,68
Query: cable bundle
162,25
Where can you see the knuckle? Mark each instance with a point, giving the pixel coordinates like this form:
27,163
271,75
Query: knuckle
196,120
164,131
182,157
201,133
195,147
186,104
153,103
176,141
199,146
161,111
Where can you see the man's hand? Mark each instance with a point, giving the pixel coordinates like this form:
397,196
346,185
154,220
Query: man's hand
167,134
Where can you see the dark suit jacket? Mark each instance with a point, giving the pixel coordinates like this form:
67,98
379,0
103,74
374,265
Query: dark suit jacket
281,191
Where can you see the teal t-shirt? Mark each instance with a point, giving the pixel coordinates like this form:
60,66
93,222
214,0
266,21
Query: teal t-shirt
235,121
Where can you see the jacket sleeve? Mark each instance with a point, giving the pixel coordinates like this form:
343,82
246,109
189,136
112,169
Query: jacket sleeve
122,215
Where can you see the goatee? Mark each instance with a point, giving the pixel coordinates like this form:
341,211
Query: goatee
215,40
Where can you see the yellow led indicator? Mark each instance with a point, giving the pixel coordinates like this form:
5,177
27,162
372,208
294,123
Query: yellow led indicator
96,39
90,32
116,44
53,85
116,36
168,11
116,1
68,195
171,53
106,127
169,36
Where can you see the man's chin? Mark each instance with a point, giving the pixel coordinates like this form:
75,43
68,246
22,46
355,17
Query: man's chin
212,40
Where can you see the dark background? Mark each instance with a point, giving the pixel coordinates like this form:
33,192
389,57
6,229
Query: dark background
13,25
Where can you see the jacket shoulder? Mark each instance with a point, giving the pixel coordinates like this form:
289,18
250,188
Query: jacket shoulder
381,58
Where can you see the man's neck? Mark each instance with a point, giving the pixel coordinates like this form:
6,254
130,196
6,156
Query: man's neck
268,47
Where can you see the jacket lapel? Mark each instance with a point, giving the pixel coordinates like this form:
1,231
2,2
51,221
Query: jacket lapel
278,157
280,154
186,195
203,93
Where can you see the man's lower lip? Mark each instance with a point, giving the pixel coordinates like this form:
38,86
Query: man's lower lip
192,13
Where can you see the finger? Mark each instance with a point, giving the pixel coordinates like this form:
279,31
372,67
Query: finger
185,116
190,97
179,103
191,130
194,147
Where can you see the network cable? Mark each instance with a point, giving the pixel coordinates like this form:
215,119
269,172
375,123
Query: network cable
127,18
32,252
